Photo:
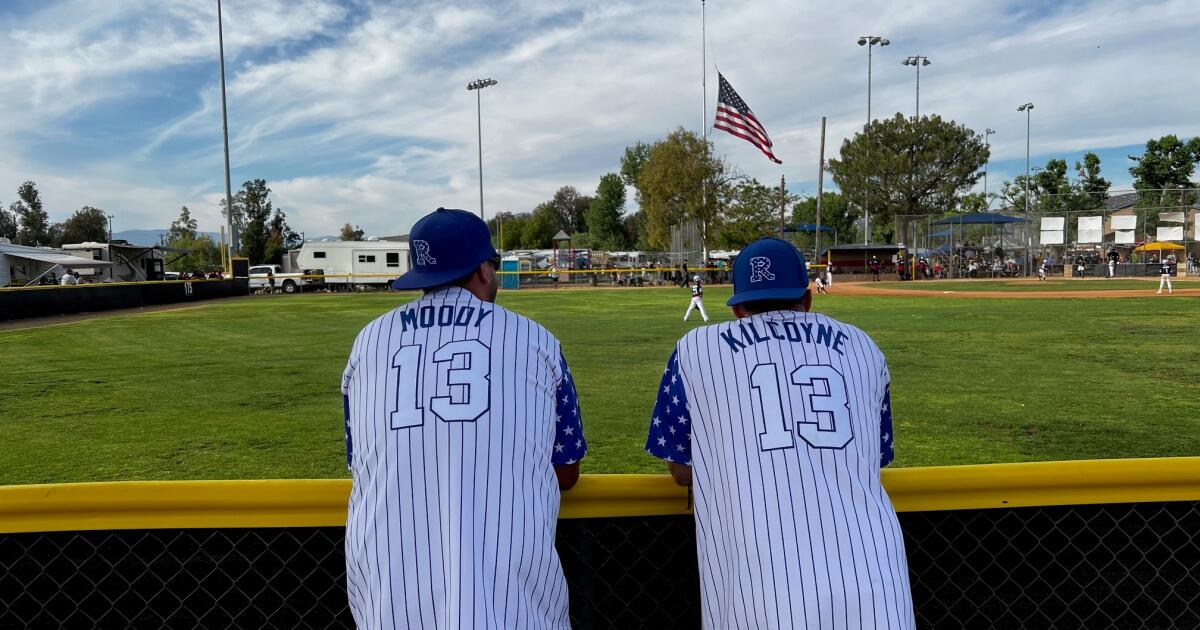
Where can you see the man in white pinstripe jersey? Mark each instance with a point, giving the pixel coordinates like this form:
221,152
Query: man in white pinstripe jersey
783,446
462,425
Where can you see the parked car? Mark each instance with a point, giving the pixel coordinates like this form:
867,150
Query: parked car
286,282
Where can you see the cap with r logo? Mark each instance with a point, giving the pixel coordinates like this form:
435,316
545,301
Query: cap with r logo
769,269
445,245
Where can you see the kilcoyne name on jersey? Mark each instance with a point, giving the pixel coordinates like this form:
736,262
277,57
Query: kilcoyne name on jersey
785,418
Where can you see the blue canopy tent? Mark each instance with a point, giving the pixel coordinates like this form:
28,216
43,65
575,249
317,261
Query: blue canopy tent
805,228
978,218
975,218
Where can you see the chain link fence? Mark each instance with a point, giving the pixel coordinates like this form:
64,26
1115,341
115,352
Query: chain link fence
1100,566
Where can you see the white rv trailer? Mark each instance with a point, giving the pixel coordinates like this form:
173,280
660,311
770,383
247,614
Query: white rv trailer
130,263
354,262
21,265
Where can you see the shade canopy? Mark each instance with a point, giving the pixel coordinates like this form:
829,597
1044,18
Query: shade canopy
1157,246
60,259
941,233
979,218
804,227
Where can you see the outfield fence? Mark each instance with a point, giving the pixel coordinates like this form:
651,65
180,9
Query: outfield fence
1097,544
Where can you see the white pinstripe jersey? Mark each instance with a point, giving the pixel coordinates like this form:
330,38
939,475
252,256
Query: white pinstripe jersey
785,418
456,410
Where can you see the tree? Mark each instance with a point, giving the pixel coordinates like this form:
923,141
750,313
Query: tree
88,224
836,214
909,166
604,214
1052,188
34,222
1162,175
351,233
203,253
679,181
280,238
254,201
633,162
184,226
635,230
751,213
1091,188
538,231
512,228
8,224
972,203
571,209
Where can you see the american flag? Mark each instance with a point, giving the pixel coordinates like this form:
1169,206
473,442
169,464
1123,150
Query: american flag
734,116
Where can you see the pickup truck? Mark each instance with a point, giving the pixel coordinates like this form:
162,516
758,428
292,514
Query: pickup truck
286,282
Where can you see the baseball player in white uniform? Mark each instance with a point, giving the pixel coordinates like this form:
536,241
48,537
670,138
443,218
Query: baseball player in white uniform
783,446
462,425
697,300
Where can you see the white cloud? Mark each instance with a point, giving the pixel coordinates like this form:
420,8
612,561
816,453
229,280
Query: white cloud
385,85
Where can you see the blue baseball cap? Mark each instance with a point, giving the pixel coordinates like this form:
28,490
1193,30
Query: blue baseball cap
769,269
444,246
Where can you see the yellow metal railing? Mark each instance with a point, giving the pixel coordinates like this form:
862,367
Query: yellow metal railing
322,502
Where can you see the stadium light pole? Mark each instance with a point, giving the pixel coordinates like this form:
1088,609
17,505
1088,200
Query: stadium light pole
477,86
989,131
1028,109
225,134
917,61
870,41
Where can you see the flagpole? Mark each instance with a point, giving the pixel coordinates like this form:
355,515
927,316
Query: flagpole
703,74
704,130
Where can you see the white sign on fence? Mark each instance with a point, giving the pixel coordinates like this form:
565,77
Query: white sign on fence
1052,237
1169,233
1091,229
1124,222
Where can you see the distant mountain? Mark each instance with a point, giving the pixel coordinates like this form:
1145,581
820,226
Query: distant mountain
149,237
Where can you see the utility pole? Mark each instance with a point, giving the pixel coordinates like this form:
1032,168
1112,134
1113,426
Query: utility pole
782,203
225,134
820,185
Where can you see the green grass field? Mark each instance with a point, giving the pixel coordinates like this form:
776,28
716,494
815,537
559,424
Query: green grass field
249,388
1150,285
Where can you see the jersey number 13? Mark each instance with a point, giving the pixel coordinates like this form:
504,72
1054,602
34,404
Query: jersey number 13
824,410
461,392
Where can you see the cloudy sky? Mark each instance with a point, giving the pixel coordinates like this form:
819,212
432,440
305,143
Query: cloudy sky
357,110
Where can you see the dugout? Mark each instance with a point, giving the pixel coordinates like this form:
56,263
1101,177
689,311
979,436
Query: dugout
855,258
1108,543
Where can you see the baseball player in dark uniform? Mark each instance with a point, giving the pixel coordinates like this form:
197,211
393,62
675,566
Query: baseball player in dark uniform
1164,277
876,268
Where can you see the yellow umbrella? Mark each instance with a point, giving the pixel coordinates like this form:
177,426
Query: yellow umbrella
1157,246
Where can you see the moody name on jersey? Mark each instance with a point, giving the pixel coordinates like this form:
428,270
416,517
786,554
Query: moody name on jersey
456,411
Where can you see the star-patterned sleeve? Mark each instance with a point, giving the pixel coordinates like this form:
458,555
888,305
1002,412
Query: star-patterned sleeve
569,443
670,436
886,450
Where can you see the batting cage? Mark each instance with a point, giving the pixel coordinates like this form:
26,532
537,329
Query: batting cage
1099,544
